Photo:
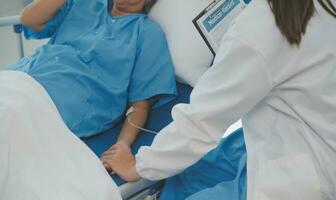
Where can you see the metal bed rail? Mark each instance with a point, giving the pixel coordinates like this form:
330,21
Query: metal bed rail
10,16
143,189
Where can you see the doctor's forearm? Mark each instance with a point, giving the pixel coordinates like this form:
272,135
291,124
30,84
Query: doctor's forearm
37,13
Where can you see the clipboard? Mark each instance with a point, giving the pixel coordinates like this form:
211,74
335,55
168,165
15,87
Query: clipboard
214,21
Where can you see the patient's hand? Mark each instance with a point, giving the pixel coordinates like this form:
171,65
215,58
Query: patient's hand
119,158
105,163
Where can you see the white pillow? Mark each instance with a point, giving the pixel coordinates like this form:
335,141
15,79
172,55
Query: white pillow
190,54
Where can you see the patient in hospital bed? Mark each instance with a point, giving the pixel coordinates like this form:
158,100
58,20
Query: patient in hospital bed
99,62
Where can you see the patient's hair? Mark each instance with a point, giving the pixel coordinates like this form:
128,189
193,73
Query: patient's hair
292,16
149,4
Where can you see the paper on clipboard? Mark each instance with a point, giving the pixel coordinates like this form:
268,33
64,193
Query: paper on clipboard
215,20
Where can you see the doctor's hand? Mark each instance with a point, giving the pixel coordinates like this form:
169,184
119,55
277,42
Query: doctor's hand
119,158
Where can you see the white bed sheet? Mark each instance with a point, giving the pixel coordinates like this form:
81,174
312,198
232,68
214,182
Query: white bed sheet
40,157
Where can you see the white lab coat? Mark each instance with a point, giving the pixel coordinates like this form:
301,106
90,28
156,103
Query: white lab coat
286,96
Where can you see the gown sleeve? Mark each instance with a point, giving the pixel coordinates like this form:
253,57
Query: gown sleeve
238,80
153,75
51,26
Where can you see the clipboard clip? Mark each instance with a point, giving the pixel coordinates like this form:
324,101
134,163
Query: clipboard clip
207,9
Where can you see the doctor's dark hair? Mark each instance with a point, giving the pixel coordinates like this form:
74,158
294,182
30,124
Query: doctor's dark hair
292,16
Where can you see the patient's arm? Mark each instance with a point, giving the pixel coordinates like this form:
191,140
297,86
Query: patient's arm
138,117
128,132
37,13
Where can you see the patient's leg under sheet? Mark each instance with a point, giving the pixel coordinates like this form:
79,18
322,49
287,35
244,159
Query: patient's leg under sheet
39,157
221,174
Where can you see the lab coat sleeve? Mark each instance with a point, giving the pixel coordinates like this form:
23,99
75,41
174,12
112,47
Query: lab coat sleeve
51,26
238,80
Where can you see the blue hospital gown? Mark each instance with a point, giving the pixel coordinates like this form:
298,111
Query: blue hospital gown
95,64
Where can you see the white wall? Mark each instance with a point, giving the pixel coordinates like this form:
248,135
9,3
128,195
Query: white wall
8,46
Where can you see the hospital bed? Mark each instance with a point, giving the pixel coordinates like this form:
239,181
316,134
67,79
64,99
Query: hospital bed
159,117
